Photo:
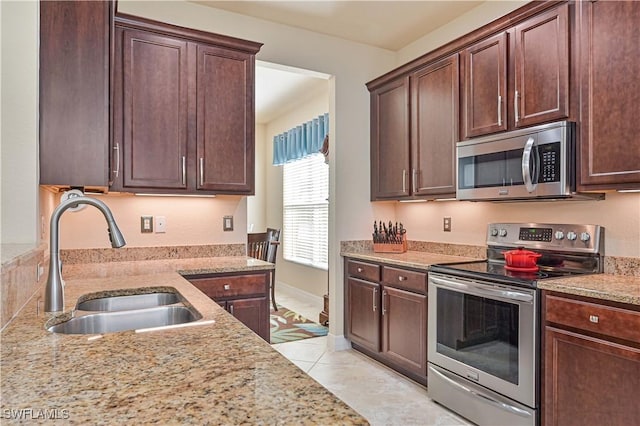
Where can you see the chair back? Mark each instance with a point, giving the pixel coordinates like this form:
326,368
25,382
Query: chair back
264,245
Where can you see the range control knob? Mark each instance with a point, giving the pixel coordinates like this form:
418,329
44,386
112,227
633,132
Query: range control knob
571,236
494,232
502,232
559,235
585,237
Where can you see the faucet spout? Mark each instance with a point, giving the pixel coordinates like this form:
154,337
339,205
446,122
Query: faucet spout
54,291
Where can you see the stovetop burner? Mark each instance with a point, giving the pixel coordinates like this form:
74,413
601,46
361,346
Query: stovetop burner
566,250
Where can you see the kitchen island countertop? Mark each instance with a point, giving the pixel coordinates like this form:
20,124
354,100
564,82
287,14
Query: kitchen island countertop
216,372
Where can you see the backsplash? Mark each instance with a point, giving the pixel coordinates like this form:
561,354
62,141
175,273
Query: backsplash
101,255
19,280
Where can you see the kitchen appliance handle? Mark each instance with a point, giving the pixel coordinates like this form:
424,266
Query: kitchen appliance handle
483,290
526,170
487,398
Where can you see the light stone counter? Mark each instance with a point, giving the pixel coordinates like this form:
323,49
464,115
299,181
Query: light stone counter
212,373
410,259
616,288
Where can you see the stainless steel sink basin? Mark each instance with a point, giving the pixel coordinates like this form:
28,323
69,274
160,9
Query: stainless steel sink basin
125,303
108,322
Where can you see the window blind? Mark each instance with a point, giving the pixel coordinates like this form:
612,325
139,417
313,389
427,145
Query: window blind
306,211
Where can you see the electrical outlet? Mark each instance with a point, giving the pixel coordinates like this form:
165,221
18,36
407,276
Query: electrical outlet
161,224
446,224
146,224
227,223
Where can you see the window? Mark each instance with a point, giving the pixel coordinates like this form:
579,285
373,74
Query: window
306,211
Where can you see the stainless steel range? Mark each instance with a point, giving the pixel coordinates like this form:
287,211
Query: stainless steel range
484,320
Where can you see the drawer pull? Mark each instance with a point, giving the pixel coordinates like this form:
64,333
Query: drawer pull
401,278
227,286
594,319
359,269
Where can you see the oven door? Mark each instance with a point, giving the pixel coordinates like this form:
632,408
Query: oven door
485,333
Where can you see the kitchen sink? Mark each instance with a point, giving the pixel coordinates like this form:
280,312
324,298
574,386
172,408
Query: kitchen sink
109,322
129,302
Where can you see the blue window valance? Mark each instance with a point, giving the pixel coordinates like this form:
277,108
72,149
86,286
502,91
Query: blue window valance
301,141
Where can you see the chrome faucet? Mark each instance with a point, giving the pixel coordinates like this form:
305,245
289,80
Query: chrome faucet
54,291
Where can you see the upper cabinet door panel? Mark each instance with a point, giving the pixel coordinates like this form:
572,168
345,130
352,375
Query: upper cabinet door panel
75,49
610,94
225,122
485,86
542,68
155,110
390,140
434,127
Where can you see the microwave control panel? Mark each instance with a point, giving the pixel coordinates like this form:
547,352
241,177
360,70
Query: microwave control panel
549,162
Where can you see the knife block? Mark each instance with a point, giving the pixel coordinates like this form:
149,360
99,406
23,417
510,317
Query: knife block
391,248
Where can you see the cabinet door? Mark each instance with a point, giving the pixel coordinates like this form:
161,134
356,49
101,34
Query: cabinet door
485,86
75,49
390,140
254,313
610,94
363,320
434,130
154,139
404,329
225,120
542,68
588,381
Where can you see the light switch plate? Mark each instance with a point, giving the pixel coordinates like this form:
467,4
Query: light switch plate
227,223
146,224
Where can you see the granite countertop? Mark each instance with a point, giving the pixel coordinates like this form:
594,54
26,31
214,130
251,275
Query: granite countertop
411,259
616,288
214,372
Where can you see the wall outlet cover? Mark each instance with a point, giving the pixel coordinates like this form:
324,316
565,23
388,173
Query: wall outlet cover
146,224
227,223
161,224
446,224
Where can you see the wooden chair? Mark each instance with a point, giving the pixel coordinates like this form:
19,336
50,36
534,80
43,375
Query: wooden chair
264,246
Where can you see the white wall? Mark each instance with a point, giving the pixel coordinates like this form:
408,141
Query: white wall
20,23
257,204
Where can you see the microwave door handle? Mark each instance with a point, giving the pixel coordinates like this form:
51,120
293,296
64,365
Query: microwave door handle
526,169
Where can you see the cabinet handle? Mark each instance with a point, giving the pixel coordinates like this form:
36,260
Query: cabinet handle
201,171
184,170
227,286
515,106
499,110
384,296
375,292
414,178
594,319
404,180
401,278
231,308
116,149
359,269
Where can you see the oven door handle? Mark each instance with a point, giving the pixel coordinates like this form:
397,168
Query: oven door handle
483,291
488,399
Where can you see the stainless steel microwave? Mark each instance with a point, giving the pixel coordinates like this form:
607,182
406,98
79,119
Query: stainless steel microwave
534,163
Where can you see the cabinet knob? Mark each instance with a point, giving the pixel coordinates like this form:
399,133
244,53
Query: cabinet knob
401,278
360,269
594,319
227,286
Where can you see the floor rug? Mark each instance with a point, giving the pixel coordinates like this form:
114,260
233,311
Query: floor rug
288,326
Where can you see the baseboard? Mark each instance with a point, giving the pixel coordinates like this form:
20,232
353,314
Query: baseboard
337,343
299,294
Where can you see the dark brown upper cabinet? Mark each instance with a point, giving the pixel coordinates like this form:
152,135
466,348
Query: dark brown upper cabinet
610,94
75,49
183,110
485,86
390,140
434,128
541,86
519,77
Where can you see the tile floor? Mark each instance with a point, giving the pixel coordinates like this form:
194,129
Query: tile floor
381,395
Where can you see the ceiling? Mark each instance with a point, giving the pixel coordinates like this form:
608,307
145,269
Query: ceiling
389,25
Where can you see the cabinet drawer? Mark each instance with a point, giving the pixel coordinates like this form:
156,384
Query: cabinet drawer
607,320
225,287
366,271
401,278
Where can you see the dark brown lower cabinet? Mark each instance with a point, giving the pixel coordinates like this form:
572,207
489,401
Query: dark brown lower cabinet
243,295
386,315
591,363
